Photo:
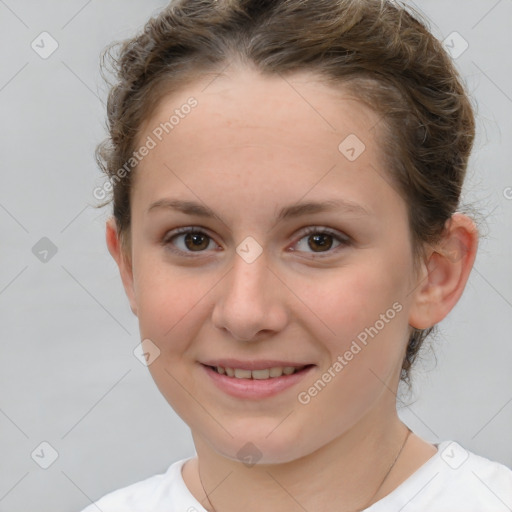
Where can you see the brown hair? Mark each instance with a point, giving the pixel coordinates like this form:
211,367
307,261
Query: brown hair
379,49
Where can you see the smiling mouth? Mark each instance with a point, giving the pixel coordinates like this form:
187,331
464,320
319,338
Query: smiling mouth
264,374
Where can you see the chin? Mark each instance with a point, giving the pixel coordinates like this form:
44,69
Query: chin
256,446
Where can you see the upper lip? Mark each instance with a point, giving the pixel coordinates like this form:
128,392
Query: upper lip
261,364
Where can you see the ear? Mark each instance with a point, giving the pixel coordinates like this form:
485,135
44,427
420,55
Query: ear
444,273
123,261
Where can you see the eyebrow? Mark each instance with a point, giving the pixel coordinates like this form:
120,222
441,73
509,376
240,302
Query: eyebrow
288,212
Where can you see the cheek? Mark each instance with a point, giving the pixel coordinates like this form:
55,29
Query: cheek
365,306
365,354
357,297
168,301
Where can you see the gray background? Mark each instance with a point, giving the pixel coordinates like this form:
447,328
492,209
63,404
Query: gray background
68,375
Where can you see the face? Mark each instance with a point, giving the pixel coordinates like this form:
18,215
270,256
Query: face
265,240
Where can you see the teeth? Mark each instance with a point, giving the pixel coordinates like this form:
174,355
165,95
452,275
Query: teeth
276,372
268,373
242,374
260,374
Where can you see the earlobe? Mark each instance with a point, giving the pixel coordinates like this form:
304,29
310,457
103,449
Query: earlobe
445,273
123,261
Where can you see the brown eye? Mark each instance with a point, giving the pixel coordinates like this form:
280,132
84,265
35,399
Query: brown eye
322,242
196,241
317,240
188,240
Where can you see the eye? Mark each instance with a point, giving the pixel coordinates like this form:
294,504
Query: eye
192,239
321,240
188,240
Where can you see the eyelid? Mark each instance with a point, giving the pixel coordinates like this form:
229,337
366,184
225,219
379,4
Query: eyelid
184,230
342,237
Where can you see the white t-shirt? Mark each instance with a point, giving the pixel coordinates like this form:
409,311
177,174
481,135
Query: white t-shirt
453,480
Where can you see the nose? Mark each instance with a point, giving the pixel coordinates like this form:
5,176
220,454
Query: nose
250,303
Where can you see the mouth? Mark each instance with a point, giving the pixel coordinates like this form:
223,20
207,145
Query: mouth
255,380
262,374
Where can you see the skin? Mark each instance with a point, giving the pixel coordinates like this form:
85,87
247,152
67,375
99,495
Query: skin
252,146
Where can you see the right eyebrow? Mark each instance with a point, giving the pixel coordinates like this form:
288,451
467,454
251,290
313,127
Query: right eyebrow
187,207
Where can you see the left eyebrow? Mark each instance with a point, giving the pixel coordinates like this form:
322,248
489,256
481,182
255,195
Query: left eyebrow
310,207
288,212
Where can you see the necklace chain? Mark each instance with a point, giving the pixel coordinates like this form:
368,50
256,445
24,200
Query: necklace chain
387,473
358,510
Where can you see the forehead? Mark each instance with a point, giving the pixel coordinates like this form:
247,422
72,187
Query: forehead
299,106
251,133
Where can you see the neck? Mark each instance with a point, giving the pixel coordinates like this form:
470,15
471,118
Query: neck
347,471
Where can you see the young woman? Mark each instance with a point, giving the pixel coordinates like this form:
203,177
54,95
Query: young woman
286,178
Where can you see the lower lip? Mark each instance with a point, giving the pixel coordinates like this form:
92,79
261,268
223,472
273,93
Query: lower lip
255,388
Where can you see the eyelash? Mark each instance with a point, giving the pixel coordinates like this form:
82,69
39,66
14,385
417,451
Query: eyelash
343,240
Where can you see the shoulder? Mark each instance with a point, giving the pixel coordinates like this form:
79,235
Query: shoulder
453,479
153,494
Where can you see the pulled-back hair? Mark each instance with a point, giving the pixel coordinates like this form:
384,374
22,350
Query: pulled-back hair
381,51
